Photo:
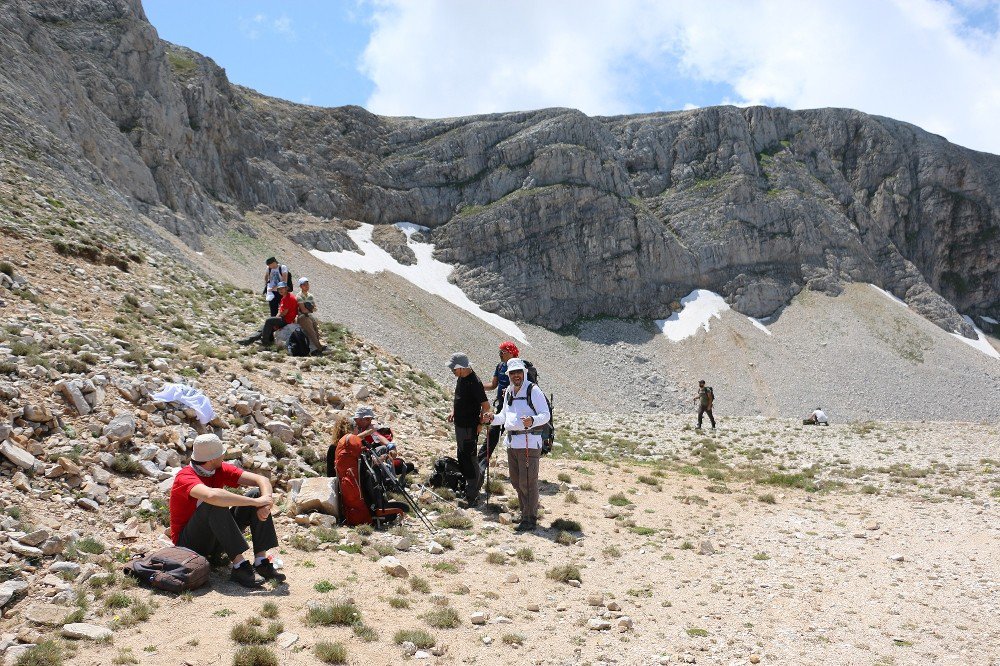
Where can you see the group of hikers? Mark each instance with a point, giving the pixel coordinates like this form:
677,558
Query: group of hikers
211,521
292,322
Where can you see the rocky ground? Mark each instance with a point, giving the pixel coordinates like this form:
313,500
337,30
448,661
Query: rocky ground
761,542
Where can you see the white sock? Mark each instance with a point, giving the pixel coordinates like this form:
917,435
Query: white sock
257,560
241,563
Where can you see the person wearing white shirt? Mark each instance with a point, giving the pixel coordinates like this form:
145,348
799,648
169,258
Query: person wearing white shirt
522,418
818,417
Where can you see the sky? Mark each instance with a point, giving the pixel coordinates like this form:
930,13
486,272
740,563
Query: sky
934,63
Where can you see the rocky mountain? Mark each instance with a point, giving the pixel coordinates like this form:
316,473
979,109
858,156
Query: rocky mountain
551,216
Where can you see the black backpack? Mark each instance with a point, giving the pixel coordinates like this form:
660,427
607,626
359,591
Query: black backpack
531,373
547,431
447,474
298,343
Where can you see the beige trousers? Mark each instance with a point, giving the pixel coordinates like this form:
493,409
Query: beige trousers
308,325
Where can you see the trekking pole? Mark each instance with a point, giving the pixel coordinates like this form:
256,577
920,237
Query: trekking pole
416,509
425,489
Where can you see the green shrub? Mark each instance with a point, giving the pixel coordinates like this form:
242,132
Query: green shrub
399,602
255,655
565,572
443,618
455,520
331,653
269,610
418,584
250,633
123,463
418,637
46,653
493,557
618,499
567,525
525,554
90,545
341,613
364,632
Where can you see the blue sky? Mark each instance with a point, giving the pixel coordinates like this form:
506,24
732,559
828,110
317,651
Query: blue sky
930,62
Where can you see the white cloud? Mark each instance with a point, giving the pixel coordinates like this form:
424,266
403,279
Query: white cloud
283,25
258,25
916,60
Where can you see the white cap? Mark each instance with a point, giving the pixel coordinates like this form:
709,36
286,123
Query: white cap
303,280
207,447
515,364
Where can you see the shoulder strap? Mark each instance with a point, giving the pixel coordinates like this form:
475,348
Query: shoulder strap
527,398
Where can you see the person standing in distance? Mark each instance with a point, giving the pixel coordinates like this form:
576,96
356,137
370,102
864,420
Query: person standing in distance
274,274
522,418
705,400
500,382
471,409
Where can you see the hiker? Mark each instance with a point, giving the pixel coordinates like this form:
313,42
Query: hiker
208,519
705,400
287,312
523,417
390,454
274,274
818,417
347,453
500,381
306,320
470,410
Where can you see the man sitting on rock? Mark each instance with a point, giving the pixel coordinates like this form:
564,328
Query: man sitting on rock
306,320
818,417
287,312
208,519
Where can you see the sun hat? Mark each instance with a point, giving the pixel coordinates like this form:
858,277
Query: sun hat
459,361
515,364
207,447
280,285
303,280
364,413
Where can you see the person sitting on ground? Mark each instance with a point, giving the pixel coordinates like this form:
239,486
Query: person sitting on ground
347,452
818,417
287,312
207,519
274,274
306,320
399,466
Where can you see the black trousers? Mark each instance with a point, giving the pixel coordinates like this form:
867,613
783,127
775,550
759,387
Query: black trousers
701,414
270,326
466,454
274,304
214,529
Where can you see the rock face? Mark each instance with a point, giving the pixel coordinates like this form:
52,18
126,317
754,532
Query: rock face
589,216
318,494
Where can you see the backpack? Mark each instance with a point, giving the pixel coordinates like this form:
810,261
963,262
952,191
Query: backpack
711,395
298,343
289,282
531,373
447,474
547,431
172,569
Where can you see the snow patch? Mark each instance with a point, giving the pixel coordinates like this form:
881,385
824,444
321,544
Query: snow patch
697,309
759,323
428,273
981,343
990,320
889,296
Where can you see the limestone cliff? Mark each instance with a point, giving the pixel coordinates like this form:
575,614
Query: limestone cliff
550,215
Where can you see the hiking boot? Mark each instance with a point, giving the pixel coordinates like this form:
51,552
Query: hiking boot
526,526
268,572
245,576
249,341
472,502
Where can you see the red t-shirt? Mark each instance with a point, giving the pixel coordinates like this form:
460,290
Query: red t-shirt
290,306
182,505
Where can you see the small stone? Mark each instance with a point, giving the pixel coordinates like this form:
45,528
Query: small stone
479,617
404,544
624,623
48,615
121,428
706,548
34,538
754,659
70,468
598,624
572,582
82,630
421,654
361,392
393,567
280,430
512,578
409,649
88,504
533,607
10,589
897,557
435,548
595,599
869,526
286,639
487,640
613,606
18,456
439,650
25,551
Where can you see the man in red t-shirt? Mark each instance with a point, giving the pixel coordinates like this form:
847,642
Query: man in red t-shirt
288,310
207,518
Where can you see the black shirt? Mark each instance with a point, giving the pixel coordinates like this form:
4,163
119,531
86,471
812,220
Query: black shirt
469,398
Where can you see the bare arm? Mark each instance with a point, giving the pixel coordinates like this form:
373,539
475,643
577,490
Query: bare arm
492,385
224,498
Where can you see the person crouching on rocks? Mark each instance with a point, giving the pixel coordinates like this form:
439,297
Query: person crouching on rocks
522,416
818,417
208,519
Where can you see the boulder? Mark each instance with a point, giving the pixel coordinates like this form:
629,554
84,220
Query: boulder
318,494
10,589
280,430
121,428
393,567
49,615
82,630
74,396
17,455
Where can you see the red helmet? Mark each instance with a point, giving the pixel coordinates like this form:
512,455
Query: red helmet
509,347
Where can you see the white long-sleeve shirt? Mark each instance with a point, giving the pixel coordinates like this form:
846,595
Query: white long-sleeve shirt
511,414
